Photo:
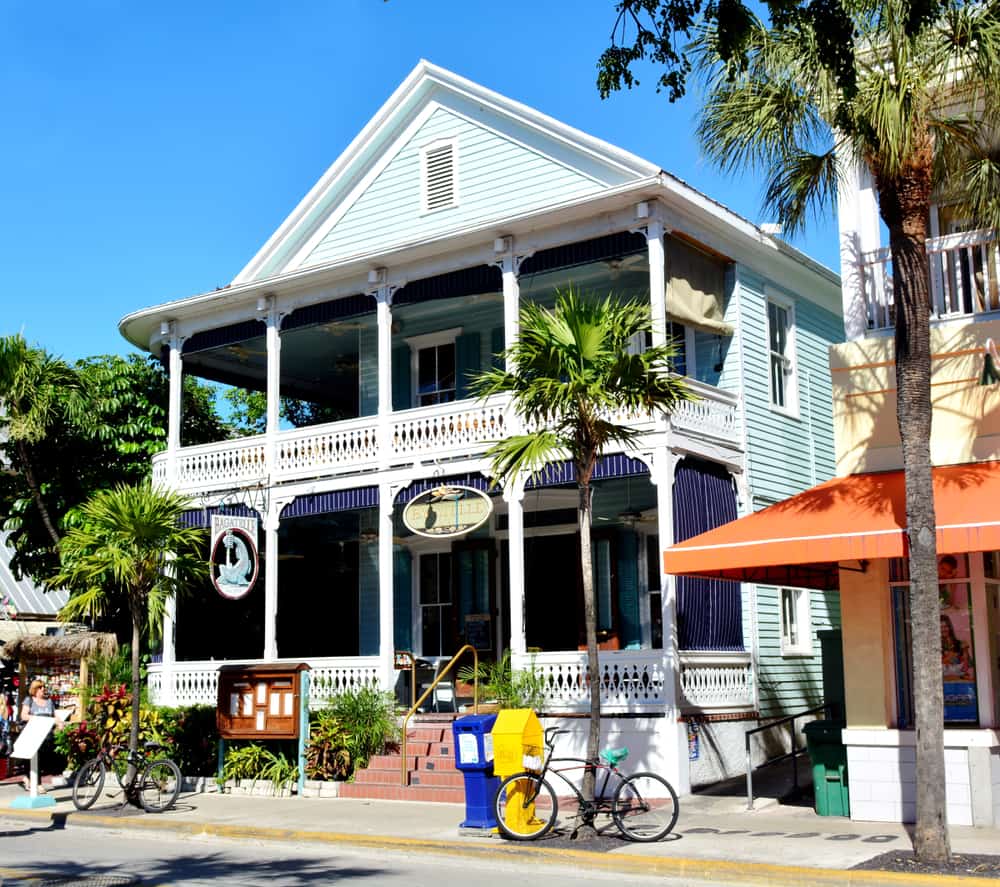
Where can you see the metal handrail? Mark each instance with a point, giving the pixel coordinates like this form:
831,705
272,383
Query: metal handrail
405,780
793,754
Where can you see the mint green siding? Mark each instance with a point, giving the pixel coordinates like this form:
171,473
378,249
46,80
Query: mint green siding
497,176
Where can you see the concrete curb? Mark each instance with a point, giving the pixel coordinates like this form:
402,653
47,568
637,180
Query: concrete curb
715,870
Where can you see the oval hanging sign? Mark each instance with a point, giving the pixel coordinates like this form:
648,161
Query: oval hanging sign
234,562
447,511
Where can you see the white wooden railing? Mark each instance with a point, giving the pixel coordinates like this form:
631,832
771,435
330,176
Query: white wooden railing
197,683
451,430
716,681
964,275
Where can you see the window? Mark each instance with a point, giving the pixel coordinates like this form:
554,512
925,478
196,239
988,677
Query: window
676,335
435,604
796,622
781,347
434,368
437,171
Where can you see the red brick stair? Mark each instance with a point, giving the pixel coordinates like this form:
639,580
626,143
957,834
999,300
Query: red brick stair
430,763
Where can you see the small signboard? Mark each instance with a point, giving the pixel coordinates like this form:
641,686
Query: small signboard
235,560
32,736
477,631
259,701
447,511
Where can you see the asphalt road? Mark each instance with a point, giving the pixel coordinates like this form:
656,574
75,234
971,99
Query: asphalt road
101,856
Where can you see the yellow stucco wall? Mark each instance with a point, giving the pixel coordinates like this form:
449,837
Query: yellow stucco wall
866,624
966,424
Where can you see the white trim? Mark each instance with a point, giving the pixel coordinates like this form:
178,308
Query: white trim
790,407
430,340
803,622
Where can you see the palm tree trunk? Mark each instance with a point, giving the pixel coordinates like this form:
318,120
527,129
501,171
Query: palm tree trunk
133,736
590,620
905,204
36,491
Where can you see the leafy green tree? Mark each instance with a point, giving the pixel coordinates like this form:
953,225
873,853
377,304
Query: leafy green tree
127,547
911,91
572,371
36,391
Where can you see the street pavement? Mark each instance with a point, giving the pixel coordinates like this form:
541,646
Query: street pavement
716,839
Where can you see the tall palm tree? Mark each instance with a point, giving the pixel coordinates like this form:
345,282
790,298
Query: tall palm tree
913,97
571,372
126,546
36,389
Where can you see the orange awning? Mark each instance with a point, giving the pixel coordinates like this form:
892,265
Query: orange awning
802,540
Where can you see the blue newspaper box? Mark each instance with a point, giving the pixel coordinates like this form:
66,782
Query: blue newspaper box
474,757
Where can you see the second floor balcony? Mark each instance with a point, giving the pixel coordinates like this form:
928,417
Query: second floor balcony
446,431
964,278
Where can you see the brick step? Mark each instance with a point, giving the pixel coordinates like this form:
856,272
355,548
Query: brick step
428,734
417,777
423,748
414,762
438,794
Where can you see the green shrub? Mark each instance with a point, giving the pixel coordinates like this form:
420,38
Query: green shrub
78,743
368,716
327,755
192,736
498,682
253,761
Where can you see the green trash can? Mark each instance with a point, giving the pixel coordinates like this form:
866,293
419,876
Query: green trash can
829,762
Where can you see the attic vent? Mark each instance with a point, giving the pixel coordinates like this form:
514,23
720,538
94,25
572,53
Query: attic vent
439,176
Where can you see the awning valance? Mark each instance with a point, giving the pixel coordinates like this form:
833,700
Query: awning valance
861,517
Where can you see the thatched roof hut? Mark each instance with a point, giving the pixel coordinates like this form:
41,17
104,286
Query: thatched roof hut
82,645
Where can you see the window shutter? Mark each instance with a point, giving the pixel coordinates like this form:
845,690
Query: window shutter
439,177
401,385
402,592
466,363
496,347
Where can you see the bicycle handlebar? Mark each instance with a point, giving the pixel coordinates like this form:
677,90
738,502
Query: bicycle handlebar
551,733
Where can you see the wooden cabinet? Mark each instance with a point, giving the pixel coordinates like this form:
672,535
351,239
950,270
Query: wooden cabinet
260,701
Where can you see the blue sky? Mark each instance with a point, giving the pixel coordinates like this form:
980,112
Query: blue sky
149,151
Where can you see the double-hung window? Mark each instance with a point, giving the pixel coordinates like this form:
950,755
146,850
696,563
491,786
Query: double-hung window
796,622
781,354
434,367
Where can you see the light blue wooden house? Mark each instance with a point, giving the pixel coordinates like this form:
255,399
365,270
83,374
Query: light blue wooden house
397,276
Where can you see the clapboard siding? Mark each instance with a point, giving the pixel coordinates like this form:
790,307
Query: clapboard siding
791,683
496,177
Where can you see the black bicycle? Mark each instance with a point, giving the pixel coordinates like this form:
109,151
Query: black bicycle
154,783
643,806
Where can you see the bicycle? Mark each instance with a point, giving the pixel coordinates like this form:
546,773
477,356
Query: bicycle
643,806
154,784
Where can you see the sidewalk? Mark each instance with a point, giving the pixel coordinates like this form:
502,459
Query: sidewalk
715,838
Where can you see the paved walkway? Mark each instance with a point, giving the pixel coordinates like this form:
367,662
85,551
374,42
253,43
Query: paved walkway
716,837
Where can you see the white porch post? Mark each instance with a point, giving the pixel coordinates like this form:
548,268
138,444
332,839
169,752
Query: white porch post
514,497
273,379
675,752
271,523
657,275
174,407
386,641
383,316
858,221
509,265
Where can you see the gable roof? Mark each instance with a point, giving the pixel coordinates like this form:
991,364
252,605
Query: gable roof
431,100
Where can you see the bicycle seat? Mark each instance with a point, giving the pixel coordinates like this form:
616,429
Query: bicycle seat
614,756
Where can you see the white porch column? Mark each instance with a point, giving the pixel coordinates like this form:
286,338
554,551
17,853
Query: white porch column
657,276
273,319
514,497
175,368
509,266
271,523
383,316
386,604
675,752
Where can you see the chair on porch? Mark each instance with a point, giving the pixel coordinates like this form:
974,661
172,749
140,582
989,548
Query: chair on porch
442,698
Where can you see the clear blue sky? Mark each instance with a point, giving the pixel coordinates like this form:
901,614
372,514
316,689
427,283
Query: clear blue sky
149,151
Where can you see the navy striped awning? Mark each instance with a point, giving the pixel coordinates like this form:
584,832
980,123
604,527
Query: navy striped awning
611,246
559,474
472,479
202,517
224,335
324,312
466,282
335,500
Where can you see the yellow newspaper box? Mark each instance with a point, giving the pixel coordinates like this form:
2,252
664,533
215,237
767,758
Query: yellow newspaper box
517,746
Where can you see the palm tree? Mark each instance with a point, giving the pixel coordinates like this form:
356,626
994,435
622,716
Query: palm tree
571,371
36,389
126,546
914,98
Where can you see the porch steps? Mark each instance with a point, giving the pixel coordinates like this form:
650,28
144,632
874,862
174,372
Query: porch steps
430,764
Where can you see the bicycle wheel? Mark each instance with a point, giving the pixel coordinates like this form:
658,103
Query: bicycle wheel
119,766
645,807
159,786
525,807
88,784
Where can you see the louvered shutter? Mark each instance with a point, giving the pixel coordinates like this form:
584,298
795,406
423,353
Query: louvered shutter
439,177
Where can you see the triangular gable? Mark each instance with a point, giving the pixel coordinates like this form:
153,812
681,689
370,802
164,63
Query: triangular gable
510,160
